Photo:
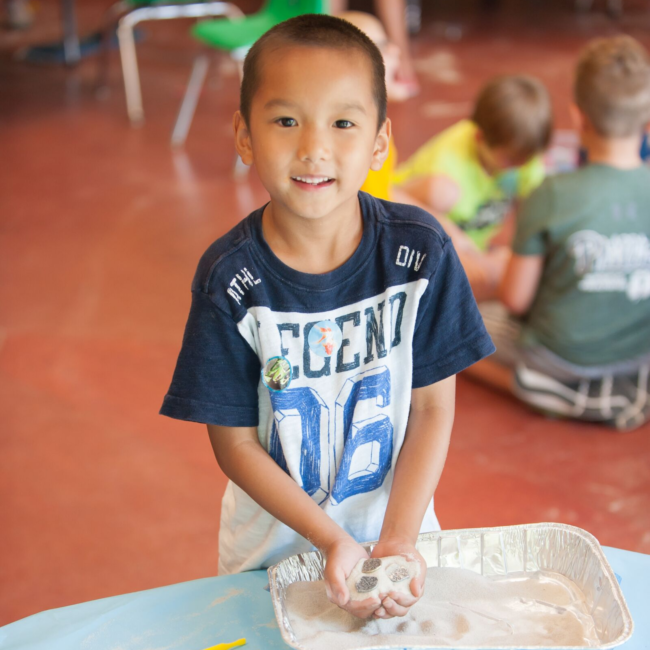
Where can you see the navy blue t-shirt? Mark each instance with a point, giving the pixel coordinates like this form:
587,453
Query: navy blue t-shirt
323,365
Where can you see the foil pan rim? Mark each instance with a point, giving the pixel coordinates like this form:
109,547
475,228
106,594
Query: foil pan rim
593,543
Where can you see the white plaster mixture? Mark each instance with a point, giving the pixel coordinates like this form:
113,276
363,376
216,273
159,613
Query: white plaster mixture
392,573
459,607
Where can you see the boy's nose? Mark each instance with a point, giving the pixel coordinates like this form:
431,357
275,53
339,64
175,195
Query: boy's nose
314,146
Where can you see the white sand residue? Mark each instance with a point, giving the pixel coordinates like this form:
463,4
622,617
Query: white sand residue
459,607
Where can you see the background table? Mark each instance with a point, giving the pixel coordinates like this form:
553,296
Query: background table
195,615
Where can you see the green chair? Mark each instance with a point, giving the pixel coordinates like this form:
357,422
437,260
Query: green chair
234,36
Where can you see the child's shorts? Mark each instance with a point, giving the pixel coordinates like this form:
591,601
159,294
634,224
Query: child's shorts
616,394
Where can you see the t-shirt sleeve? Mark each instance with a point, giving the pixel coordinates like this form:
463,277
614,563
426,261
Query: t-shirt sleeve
424,162
217,372
449,331
530,233
531,177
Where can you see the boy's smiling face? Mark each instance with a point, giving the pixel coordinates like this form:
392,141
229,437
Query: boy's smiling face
313,130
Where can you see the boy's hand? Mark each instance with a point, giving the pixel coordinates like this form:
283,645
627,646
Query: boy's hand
340,558
396,603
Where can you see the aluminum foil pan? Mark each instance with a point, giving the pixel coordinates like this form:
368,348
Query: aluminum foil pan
570,551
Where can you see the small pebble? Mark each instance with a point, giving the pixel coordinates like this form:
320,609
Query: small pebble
366,583
371,565
399,574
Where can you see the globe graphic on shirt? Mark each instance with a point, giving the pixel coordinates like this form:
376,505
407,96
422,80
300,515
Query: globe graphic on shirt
325,338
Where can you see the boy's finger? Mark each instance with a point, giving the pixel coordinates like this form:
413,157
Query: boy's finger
404,600
336,589
330,594
393,608
367,602
342,596
362,608
417,587
340,589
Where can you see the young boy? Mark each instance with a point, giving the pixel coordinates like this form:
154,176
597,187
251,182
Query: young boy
473,172
326,328
580,273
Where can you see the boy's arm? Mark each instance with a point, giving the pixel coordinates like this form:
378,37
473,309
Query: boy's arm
247,464
520,282
417,473
524,271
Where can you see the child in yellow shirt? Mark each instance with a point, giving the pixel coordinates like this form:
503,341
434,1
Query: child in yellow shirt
470,175
475,172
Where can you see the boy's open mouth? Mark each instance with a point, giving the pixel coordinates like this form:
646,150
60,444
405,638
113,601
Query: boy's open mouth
312,182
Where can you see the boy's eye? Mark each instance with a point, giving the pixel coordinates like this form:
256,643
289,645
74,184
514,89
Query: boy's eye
286,121
343,124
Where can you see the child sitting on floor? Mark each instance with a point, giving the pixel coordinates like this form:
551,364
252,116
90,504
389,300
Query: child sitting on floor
579,277
474,172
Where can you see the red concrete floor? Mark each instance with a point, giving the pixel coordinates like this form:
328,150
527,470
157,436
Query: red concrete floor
102,227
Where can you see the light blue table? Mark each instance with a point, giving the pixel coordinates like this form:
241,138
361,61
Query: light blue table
195,615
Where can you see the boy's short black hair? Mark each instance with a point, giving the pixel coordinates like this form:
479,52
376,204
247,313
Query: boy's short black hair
313,30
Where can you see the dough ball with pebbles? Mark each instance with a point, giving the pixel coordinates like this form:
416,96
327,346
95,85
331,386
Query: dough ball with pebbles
376,576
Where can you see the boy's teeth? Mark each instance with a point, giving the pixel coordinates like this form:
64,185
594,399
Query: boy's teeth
312,181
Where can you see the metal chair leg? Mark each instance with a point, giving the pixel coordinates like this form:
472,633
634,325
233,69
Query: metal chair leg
130,73
190,100
127,41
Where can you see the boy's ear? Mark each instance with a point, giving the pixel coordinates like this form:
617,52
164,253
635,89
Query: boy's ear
242,139
578,118
382,144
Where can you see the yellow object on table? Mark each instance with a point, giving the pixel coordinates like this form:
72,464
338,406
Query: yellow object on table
227,646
